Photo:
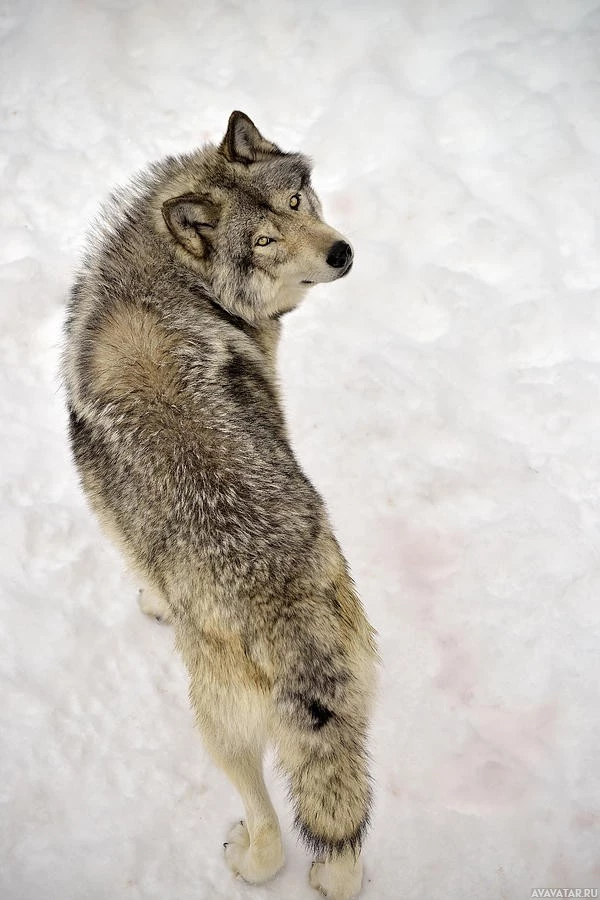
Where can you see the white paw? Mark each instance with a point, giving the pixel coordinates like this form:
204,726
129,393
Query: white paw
256,862
154,605
338,879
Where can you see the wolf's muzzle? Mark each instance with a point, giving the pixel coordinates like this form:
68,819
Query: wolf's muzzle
340,255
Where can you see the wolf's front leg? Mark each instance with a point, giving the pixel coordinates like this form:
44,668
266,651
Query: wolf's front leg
155,605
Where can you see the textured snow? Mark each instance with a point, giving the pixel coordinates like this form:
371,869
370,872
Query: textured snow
444,398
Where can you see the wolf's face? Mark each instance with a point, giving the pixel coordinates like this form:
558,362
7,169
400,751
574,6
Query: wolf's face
252,224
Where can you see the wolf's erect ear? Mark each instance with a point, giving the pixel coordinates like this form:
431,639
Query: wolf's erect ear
244,142
191,219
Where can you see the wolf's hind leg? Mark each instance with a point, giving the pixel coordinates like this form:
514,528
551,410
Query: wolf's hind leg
253,849
233,717
339,878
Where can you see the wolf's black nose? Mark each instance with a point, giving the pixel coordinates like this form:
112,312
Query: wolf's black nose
339,255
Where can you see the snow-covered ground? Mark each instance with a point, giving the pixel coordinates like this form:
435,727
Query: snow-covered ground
445,399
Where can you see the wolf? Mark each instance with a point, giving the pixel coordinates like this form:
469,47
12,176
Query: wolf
180,441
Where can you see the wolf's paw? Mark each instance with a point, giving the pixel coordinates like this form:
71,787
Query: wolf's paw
338,879
257,861
154,605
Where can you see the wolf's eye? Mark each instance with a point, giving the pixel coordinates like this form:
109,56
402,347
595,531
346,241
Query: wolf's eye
263,241
295,201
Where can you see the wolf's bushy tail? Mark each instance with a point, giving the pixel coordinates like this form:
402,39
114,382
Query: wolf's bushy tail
329,785
323,703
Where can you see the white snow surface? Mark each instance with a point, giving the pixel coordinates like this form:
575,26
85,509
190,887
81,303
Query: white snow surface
444,398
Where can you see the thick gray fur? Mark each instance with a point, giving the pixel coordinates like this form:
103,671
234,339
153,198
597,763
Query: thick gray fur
180,440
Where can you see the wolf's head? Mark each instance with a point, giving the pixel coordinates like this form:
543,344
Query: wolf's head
245,215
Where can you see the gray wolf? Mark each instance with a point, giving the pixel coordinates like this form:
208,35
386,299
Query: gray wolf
180,441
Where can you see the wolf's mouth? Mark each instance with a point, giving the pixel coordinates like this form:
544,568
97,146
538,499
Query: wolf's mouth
307,282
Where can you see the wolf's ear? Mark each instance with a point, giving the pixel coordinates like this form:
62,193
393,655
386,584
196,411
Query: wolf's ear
191,219
244,142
